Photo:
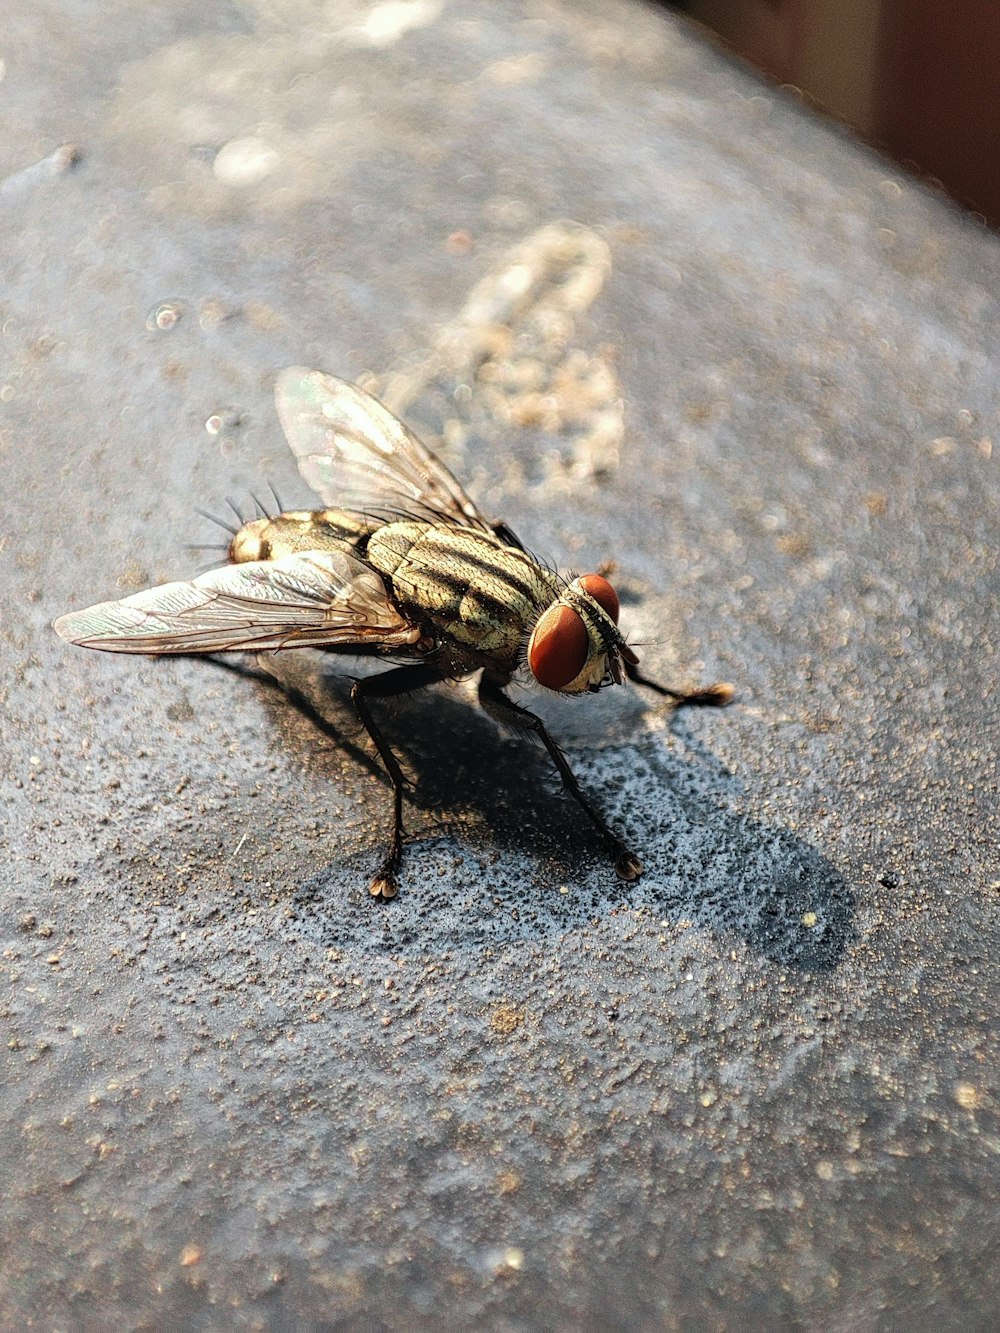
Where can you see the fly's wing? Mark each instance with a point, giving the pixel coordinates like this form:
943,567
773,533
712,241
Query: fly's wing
356,455
310,600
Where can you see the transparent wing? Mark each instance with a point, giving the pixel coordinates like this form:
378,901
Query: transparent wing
356,455
310,600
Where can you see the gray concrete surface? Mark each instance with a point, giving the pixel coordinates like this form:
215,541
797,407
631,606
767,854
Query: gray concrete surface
756,1089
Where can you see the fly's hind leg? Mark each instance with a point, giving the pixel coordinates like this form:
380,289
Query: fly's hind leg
712,696
504,710
402,680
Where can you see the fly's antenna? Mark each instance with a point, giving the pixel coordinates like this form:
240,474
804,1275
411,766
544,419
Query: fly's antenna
277,498
219,522
233,507
263,511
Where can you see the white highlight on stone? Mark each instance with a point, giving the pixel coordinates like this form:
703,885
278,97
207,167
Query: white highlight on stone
245,161
388,21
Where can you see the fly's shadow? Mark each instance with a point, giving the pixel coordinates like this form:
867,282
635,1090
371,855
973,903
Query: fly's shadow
460,766
498,852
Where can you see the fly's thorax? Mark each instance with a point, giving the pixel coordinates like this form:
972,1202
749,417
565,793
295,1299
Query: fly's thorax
299,530
576,644
476,588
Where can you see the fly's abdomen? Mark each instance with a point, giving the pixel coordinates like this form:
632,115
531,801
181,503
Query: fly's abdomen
300,530
481,592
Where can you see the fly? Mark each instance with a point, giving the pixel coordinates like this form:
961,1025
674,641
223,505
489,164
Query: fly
402,566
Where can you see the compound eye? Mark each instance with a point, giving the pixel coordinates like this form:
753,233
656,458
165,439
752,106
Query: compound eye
597,586
559,647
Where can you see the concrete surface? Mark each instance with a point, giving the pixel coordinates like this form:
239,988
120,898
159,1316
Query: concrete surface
756,1089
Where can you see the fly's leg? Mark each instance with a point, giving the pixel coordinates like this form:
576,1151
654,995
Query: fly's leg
712,696
504,710
402,680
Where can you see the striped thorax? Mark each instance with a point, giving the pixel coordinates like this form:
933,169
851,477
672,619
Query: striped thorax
477,590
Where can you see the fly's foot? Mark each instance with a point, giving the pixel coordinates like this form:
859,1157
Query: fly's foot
627,865
712,696
384,886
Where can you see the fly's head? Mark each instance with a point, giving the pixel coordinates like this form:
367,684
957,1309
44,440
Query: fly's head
576,644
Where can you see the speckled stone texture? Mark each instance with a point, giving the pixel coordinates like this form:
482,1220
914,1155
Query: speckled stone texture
756,1089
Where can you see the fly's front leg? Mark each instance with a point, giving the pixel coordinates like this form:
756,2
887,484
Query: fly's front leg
712,696
504,710
384,885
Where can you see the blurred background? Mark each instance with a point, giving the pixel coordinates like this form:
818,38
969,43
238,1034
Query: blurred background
917,78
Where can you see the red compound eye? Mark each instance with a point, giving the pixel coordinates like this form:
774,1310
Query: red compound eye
597,586
559,647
